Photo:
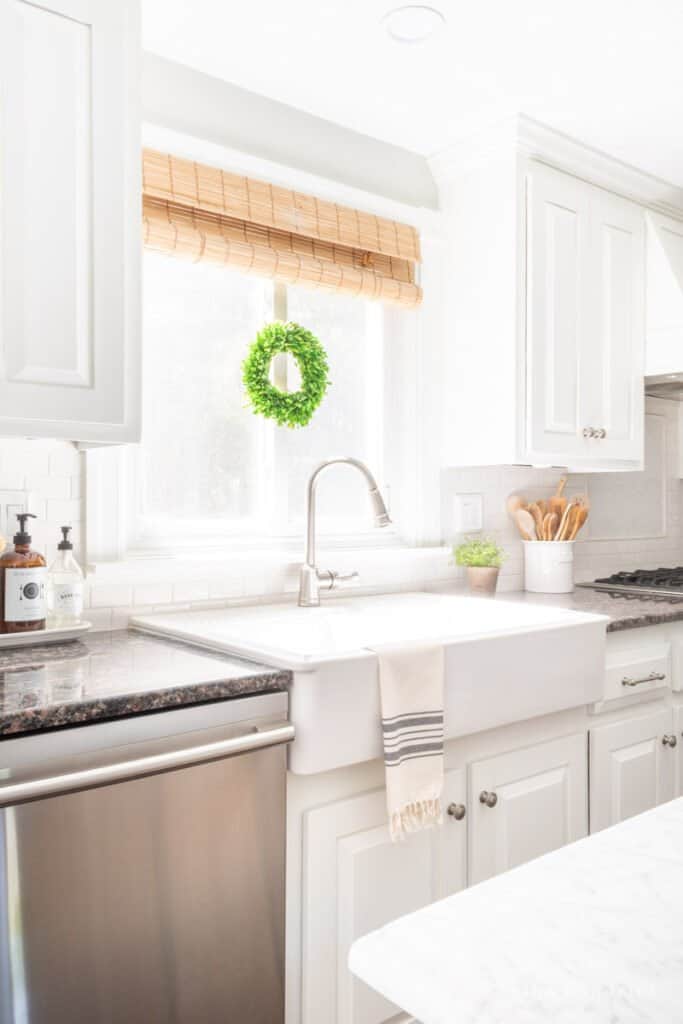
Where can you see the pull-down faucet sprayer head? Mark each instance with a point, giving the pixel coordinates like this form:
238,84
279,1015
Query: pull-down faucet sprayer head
382,517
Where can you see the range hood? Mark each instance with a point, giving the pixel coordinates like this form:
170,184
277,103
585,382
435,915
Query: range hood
665,385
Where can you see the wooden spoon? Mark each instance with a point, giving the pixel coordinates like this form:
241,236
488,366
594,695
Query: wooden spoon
515,502
579,518
550,523
525,524
558,504
562,529
537,516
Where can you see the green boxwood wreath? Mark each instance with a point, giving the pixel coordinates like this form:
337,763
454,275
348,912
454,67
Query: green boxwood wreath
297,408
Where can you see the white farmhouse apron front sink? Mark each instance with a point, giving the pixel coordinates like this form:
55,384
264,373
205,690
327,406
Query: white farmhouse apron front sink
505,662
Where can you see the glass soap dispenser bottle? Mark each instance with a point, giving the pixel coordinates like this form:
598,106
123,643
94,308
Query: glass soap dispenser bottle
23,584
65,585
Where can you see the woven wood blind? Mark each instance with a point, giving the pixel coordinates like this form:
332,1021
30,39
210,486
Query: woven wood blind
199,213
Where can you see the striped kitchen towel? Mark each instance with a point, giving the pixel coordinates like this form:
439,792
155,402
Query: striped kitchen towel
411,683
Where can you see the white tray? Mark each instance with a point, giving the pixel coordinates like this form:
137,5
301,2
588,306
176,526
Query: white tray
51,635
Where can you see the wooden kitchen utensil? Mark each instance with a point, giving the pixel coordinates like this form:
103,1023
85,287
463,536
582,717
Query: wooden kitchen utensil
564,522
558,503
579,518
537,516
525,524
515,502
550,523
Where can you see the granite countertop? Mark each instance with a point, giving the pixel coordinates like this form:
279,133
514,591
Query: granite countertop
111,675
623,612
590,933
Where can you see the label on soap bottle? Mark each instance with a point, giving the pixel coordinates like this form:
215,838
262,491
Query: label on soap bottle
67,599
25,594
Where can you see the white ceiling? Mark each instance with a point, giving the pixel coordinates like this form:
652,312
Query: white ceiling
608,72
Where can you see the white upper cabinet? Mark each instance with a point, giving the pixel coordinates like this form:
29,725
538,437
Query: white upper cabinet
664,351
69,219
545,339
585,322
558,242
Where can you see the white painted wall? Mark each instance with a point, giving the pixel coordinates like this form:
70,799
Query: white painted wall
184,100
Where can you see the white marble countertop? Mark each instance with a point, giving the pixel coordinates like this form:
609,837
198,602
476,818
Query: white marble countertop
590,934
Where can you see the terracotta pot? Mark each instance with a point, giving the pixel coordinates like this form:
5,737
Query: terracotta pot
482,579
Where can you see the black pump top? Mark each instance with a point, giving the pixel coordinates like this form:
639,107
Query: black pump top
22,537
65,544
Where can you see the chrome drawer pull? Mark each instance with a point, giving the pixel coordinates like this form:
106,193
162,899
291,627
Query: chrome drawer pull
654,677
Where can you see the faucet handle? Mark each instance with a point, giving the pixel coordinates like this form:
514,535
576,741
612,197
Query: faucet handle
330,579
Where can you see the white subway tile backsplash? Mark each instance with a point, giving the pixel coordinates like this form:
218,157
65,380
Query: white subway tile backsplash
50,486
65,461
110,595
64,513
152,593
191,591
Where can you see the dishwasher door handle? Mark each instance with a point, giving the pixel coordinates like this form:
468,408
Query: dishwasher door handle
13,793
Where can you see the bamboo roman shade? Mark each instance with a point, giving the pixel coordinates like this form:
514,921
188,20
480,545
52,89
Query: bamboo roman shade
199,212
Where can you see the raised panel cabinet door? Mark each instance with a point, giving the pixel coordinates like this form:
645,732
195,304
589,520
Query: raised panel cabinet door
558,211
69,219
632,767
664,278
678,733
613,346
526,803
355,880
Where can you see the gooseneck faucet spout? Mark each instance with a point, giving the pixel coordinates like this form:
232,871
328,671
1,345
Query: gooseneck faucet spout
310,576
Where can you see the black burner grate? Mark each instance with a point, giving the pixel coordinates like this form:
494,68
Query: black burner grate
669,579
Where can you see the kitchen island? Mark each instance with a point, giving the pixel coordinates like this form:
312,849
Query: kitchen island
592,933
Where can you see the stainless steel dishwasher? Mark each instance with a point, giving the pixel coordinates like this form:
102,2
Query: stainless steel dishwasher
142,869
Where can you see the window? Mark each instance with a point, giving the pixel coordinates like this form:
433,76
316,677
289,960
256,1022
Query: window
207,467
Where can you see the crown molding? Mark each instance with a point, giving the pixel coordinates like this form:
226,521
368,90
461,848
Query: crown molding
522,136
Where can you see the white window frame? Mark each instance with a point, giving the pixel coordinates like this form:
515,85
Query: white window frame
161,538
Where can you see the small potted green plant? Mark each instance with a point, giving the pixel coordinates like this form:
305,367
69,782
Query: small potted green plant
482,558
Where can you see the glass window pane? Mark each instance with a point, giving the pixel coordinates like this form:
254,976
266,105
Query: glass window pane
347,421
200,452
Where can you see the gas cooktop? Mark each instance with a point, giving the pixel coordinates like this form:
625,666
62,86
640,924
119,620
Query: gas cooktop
652,584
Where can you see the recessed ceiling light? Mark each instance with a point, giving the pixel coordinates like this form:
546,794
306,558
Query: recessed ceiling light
413,23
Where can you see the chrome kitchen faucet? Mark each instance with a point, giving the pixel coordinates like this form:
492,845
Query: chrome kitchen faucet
310,577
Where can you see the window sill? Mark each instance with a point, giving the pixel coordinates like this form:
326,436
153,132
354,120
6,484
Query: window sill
263,571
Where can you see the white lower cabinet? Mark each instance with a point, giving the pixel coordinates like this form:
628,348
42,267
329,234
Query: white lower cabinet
632,765
525,803
678,733
356,880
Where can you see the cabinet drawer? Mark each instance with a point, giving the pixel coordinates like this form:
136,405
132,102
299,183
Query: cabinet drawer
635,672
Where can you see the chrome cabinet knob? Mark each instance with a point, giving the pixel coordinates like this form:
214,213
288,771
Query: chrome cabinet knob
669,741
601,433
490,799
457,811
589,432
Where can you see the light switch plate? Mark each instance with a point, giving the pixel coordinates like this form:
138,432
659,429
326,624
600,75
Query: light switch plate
468,513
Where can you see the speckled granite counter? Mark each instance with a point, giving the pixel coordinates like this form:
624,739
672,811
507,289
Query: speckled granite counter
111,675
623,612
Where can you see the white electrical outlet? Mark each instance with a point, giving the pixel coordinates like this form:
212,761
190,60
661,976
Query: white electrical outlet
468,513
